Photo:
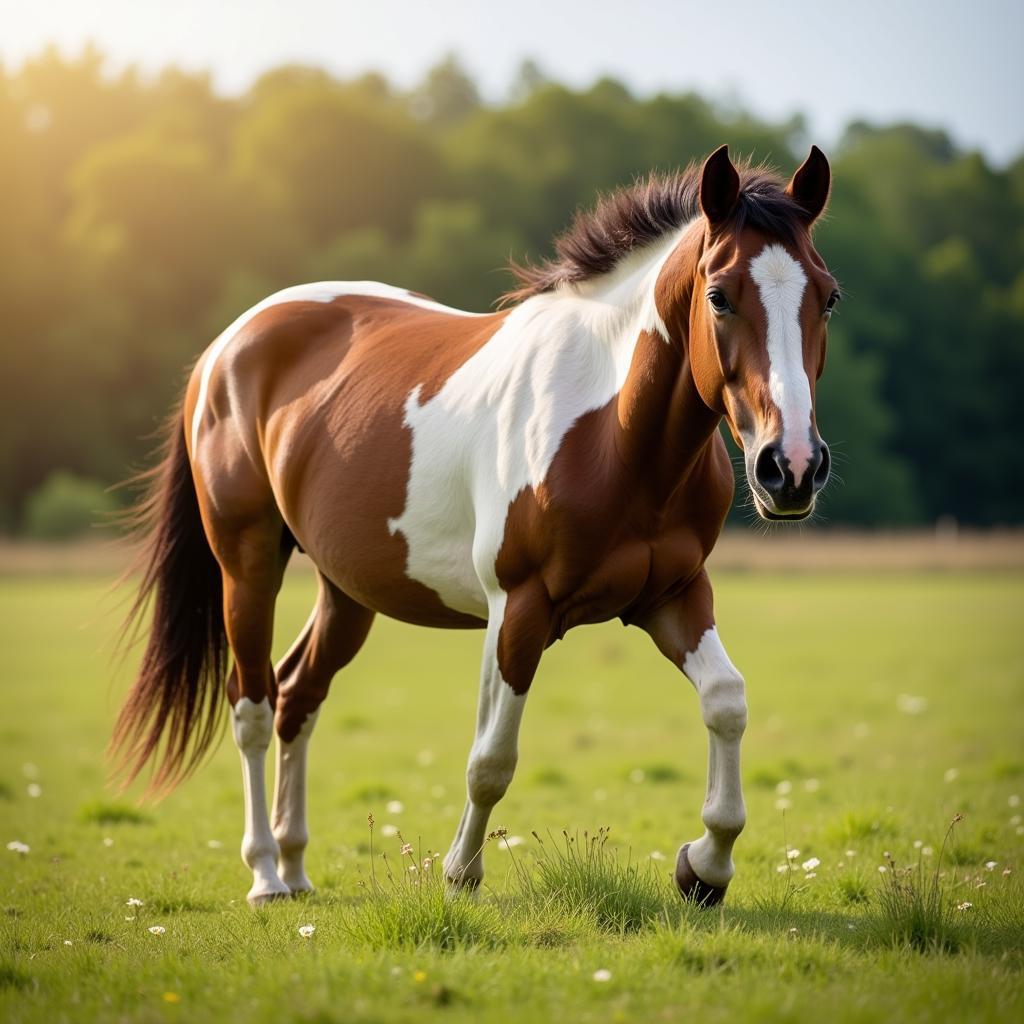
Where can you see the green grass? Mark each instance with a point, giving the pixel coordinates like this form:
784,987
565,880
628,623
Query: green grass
612,739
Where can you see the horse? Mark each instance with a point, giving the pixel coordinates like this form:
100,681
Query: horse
555,462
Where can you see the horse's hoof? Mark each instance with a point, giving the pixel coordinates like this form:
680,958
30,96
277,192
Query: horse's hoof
463,883
261,899
299,885
461,880
692,889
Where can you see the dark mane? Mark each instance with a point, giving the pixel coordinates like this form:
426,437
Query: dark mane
634,216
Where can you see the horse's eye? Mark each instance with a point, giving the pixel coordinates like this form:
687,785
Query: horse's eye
719,303
831,304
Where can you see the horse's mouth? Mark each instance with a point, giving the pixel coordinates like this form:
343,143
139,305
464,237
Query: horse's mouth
774,516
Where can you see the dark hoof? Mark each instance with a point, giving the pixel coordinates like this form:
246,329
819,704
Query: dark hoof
465,883
692,889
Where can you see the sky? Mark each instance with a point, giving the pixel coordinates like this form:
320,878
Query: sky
955,65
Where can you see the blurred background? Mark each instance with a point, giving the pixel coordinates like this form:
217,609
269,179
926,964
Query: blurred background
165,166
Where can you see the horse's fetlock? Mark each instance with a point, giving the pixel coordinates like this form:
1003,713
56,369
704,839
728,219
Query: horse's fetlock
489,776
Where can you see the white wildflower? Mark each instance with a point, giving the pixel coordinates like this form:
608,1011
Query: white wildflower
602,974
17,846
810,865
966,905
950,775
784,787
910,705
926,851
656,855
214,844
918,844
34,789
882,869
811,874
792,854
68,942
425,758
783,804
156,929
812,785
394,807
133,902
990,865
388,831
306,930
1013,800
637,775
107,841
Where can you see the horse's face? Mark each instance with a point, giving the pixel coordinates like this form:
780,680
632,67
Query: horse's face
759,313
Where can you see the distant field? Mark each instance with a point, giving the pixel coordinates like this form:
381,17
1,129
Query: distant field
881,705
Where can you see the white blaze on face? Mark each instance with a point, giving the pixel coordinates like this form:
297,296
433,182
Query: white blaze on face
781,282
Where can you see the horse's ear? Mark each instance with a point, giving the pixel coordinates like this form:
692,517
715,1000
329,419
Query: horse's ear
719,187
811,183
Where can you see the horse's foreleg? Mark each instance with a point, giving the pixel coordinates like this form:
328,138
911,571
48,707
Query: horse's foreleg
516,631
331,638
685,632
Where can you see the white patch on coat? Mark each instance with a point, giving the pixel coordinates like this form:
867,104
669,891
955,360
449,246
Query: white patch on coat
497,423
723,706
781,281
321,291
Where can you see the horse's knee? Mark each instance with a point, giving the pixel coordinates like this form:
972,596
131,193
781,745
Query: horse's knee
723,705
489,775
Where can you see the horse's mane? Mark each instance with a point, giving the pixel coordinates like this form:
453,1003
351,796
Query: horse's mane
641,213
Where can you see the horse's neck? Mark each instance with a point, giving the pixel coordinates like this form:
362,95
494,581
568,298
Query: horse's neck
663,427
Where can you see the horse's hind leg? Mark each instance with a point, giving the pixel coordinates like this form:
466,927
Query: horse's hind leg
330,640
252,562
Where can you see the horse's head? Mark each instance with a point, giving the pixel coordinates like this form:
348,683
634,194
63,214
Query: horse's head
759,312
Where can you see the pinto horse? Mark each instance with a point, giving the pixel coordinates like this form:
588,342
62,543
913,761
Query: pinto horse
554,463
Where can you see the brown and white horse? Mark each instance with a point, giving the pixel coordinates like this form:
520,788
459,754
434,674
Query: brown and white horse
554,463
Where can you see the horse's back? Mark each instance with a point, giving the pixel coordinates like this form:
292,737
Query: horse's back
305,397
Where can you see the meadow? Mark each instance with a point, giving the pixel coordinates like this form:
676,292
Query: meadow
881,707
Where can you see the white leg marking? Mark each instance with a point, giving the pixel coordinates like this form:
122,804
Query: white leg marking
781,282
253,726
289,817
723,706
492,758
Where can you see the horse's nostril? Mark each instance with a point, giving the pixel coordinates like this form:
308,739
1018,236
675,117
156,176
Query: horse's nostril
821,473
768,469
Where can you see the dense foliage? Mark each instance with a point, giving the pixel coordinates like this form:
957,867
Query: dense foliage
139,216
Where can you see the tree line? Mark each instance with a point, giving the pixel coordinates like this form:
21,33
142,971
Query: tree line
140,215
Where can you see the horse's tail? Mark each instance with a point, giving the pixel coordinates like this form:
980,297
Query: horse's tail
177,694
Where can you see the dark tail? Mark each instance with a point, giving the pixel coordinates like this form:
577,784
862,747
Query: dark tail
177,697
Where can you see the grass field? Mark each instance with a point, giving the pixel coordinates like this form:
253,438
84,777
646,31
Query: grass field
879,709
